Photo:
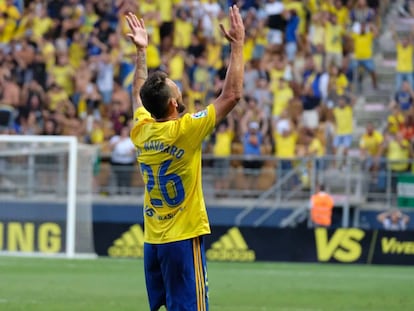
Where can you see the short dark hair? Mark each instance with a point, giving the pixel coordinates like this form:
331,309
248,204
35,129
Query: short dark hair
155,94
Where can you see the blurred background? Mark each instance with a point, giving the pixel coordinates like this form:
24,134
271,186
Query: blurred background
328,100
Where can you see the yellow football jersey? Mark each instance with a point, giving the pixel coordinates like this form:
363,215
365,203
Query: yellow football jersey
169,156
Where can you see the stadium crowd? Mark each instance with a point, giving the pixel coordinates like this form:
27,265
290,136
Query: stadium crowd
67,68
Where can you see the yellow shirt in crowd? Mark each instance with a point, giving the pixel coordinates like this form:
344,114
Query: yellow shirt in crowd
371,143
222,147
341,84
344,120
41,26
213,51
404,58
165,8
298,6
281,98
182,33
64,77
285,145
8,26
396,152
153,56
333,38
316,147
55,98
11,10
394,122
194,96
176,66
76,54
342,16
151,22
363,45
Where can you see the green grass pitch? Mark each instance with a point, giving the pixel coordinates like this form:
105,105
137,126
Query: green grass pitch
31,284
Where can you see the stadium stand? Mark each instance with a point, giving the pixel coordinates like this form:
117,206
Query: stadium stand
67,68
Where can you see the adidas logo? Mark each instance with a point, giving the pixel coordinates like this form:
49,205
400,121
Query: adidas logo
130,244
231,247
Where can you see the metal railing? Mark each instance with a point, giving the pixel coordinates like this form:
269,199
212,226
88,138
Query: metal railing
273,182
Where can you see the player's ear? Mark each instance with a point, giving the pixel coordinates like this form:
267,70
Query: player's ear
172,101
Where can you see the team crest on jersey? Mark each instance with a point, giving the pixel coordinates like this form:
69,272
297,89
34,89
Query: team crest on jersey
200,114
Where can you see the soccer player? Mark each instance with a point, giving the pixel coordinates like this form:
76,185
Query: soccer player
169,155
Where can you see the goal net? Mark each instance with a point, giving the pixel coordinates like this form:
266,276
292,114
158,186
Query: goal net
46,187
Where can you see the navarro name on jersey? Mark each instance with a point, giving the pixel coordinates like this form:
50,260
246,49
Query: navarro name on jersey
157,145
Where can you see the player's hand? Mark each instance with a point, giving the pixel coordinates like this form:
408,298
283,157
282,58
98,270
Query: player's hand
236,32
138,32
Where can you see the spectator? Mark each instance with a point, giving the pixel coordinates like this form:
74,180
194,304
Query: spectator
337,85
333,42
222,150
253,129
211,11
369,145
50,127
342,13
122,160
404,68
251,75
263,95
165,7
395,120
397,152
63,74
362,14
55,95
311,95
119,118
407,128
176,67
393,220
28,125
285,137
321,206
403,97
121,96
291,39
363,52
104,80
274,12
7,116
10,89
282,95
316,37
343,114
59,44
183,29
316,149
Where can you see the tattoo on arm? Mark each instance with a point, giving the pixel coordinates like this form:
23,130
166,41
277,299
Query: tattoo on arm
140,75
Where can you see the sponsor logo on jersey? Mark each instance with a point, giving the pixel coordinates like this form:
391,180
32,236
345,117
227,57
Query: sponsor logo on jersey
200,114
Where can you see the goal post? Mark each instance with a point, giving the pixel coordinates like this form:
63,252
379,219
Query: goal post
46,181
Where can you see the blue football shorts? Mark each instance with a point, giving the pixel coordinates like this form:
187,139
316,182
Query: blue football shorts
176,275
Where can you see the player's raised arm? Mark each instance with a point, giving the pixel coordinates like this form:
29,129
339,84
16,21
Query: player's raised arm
233,83
139,37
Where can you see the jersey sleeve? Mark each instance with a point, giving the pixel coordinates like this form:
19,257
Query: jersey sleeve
141,114
196,126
